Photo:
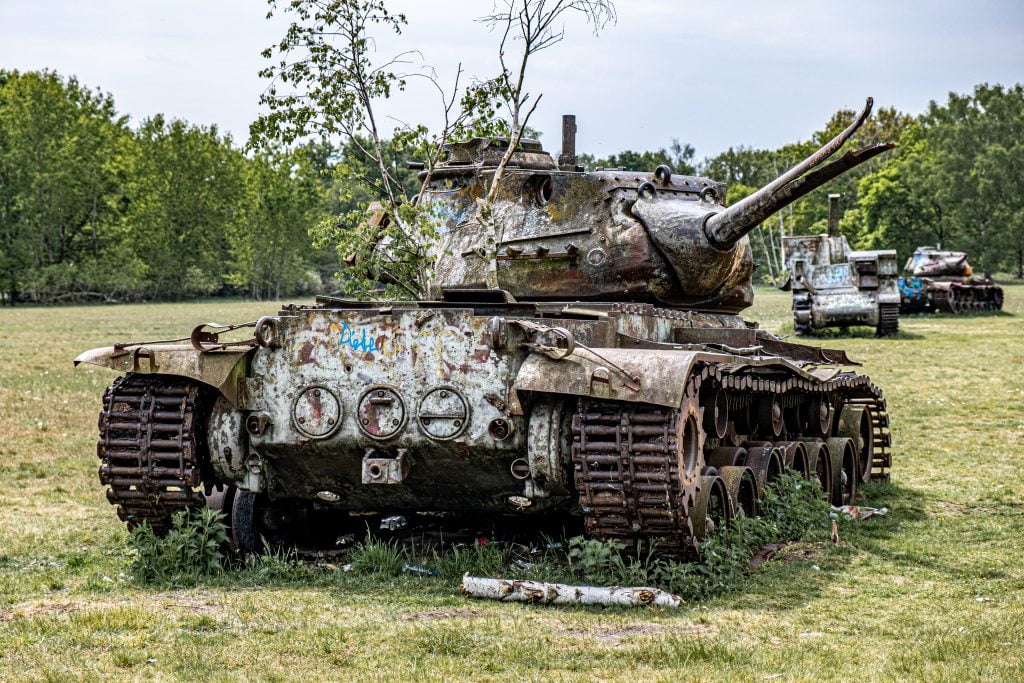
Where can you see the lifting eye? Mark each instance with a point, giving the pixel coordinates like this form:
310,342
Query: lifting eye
543,188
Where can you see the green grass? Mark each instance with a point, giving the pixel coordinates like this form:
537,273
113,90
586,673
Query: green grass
898,599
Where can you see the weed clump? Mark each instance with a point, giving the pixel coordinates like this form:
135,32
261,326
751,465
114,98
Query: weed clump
379,557
193,548
792,508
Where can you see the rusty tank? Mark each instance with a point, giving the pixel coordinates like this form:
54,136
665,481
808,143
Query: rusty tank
944,281
836,286
609,380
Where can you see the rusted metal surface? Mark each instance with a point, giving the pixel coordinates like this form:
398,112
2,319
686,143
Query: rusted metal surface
637,467
607,235
223,370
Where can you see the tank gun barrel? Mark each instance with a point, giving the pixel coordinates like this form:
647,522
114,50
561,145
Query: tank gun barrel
725,228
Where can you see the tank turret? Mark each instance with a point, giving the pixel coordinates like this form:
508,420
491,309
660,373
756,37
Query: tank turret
609,234
934,262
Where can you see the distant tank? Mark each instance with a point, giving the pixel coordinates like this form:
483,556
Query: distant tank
835,286
944,281
609,380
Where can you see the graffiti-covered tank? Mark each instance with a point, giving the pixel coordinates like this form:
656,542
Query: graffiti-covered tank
944,281
609,379
835,286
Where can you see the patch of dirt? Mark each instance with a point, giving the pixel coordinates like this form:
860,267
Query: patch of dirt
433,615
64,609
613,635
946,509
42,609
799,551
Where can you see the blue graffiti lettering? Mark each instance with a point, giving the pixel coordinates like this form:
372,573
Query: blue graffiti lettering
358,341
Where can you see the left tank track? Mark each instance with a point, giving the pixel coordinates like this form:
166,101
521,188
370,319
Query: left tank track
627,456
150,435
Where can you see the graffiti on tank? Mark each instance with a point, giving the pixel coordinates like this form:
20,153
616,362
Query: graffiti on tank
360,341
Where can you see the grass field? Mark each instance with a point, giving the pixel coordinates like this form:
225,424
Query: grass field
933,591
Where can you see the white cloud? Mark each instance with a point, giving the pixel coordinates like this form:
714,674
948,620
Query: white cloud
712,74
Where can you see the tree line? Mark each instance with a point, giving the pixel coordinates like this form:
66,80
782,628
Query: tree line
93,208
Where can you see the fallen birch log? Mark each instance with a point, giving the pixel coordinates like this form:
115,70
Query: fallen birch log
512,590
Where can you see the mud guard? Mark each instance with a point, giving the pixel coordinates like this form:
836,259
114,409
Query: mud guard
224,370
610,375
655,376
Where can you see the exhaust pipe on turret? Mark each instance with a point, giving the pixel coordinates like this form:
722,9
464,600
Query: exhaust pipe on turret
725,228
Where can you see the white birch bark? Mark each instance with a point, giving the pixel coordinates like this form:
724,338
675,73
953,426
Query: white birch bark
513,590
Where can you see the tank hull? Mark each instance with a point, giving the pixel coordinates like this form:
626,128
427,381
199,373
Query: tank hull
949,295
607,413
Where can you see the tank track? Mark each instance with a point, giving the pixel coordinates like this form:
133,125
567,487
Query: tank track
148,448
961,298
626,461
627,475
888,320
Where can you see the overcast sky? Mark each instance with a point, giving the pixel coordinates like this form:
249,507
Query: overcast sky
714,74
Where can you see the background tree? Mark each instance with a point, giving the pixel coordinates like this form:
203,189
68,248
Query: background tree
59,181
326,80
956,181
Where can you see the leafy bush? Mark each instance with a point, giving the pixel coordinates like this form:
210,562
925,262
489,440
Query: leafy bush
193,548
792,508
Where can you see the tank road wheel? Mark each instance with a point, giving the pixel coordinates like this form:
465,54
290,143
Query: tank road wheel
741,486
150,447
954,303
818,416
258,523
845,468
794,457
888,320
765,463
726,456
821,465
855,423
712,507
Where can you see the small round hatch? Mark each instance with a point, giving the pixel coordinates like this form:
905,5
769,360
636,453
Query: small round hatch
443,413
316,412
381,412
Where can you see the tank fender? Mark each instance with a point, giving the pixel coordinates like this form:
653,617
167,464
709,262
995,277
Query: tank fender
608,373
224,370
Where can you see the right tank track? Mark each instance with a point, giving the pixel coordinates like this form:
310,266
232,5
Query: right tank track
968,298
626,456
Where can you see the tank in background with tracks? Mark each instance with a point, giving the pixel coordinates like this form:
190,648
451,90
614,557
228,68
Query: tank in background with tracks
835,286
609,381
944,281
